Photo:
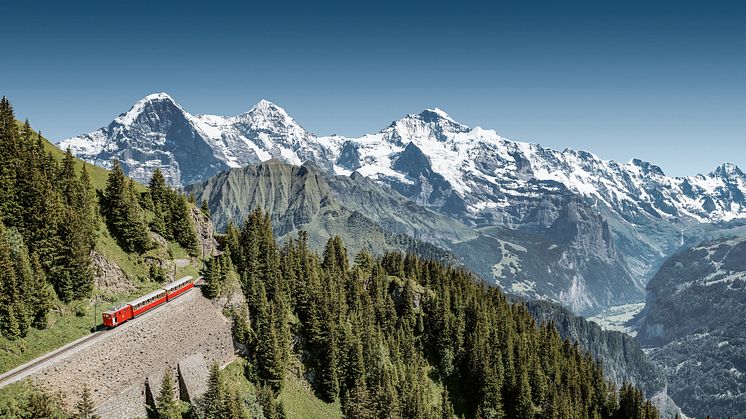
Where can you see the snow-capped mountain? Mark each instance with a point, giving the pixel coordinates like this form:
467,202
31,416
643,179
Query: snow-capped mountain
158,132
609,218
428,157
155,132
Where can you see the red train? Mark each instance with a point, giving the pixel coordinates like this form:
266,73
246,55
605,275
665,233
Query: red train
134,308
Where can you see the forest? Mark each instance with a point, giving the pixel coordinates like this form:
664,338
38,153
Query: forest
400,336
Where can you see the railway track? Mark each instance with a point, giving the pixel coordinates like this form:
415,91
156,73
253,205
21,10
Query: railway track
27,369
22,371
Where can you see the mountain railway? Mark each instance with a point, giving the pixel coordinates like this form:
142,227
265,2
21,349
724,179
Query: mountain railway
127,311
138,306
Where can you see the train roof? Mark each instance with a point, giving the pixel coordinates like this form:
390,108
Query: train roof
146,297
115,309
178,283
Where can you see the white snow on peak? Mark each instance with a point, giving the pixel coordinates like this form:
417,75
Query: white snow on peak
137,109
487,171
158,96
441,113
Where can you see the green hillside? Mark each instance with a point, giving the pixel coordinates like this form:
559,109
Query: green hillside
50,224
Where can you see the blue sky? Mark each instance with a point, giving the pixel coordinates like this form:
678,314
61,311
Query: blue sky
658,82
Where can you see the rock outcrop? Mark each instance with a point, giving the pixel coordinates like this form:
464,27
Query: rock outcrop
109,276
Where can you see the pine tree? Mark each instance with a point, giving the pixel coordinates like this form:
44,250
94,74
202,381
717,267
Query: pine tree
9,293
211,408
158,223
68,179
269,356
232,243
205,208
76,274
446,410
123,213
10,208
157,187
41,295
183,228
166,405
84,407
41,405
88,206
213,278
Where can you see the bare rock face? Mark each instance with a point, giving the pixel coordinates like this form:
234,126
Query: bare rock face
158,239
205,231
193,375
109,276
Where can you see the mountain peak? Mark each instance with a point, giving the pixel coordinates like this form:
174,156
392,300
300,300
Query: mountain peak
157,96
430,122
266,107
727,171
430,115
141,105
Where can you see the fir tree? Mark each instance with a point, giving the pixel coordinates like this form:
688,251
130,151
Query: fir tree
41,406
84,408
167,407
205,208
9,292
41,295
123,213
211,407
183,228
88,206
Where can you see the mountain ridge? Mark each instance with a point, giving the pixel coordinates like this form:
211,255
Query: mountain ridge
469,174
266,131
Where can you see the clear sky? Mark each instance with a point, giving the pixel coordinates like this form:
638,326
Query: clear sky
665,83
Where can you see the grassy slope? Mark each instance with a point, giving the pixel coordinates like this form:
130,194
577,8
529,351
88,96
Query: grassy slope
298,400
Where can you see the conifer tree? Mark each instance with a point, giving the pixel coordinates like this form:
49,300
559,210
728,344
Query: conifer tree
183,228
88,206
211,408
84,407
157,187
446,409
41,405
167,407
41,295
123,213
205,208
9,292
213,278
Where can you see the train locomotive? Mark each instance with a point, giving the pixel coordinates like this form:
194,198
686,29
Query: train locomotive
147,302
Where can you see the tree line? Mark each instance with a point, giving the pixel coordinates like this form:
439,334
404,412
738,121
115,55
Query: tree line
48,224
400,336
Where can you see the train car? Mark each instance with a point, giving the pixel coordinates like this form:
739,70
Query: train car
148,302
179,287
130,310
117,316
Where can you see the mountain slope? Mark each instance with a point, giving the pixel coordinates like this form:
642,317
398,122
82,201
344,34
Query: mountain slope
575,262
301,198
621,356
693,322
